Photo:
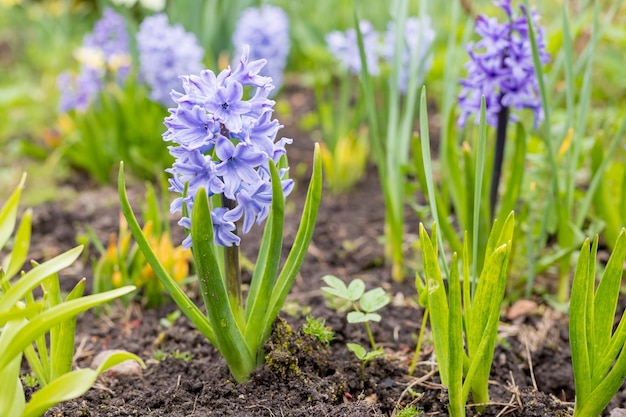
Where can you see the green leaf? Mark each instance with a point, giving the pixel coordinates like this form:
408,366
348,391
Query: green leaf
357,349
374,300
266,269
20,246
171,286
229,337
437,303
300,246
8,214
581,361
73,384
336,287
361,317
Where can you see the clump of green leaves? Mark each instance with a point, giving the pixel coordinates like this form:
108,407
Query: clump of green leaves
365,305
47,324
598,355
318,329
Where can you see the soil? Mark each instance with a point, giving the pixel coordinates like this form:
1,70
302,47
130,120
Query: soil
185,376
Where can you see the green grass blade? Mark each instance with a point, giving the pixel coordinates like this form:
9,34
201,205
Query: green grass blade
478,187
455,323
20,246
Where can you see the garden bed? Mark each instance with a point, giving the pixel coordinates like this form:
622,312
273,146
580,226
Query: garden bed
531,374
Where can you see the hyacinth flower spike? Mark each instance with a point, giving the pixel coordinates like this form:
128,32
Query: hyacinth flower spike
230,168
501,69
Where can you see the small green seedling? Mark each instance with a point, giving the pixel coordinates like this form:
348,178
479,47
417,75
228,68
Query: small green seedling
364,303
318,329
170,320
185,355
363,355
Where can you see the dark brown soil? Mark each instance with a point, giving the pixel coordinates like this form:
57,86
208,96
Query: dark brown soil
531,374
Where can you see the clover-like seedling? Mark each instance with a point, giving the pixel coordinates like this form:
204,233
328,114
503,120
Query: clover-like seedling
364,303
363,355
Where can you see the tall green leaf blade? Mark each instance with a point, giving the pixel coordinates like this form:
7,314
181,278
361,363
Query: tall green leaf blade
300,246
455,322
261,288
20,246
181,299
605,299
437,304
8,214
229,337
578,326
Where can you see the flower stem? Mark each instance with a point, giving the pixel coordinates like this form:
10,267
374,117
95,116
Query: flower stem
503,119
231,262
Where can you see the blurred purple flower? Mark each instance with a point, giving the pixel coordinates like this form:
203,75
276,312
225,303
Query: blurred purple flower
501,68
224,137
418,35
165,52
345,48
104,52
266,31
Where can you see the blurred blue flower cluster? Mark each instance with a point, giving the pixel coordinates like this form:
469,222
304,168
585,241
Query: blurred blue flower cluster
165,52
501,67
266,31
380,47
224,142
104,51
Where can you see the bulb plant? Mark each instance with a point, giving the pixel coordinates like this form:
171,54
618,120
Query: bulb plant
227,170
464,319
46,324
598,356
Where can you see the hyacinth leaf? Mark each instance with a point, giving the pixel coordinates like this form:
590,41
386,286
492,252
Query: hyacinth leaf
266,269
173,289
338,288
374,300
605,299
229,337
578,328
361,317
8,214
34,277
301,243
481,337
437,303
18,254
43,322
73,384
457,354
